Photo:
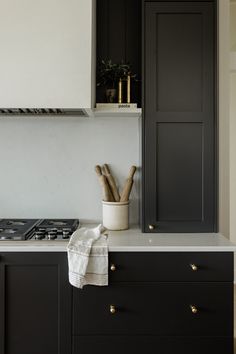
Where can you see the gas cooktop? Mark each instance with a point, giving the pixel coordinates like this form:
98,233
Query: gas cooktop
37,229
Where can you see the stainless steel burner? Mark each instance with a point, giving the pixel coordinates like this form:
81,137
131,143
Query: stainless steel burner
5,238
57,223
8,231
17,222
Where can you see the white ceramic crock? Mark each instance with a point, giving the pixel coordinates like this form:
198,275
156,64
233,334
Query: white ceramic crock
115,215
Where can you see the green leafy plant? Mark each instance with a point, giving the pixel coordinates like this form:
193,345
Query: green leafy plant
110,73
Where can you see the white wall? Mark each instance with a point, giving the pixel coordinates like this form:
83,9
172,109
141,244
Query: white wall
233,157
233,127
47,164
223,121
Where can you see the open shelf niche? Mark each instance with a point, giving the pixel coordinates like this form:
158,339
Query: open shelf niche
119,39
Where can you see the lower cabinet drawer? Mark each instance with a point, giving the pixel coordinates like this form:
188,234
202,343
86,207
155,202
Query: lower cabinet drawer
151,345
164,309
170,266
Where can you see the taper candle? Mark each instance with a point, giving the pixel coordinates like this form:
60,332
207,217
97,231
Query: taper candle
120,92
128,88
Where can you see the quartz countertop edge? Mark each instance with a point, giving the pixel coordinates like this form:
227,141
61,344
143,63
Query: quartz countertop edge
133,240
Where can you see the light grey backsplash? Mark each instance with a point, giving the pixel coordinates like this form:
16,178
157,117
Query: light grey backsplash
47,165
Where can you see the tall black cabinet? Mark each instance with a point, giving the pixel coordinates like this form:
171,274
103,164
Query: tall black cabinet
179,129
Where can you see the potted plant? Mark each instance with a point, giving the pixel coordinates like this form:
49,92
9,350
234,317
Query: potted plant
109,75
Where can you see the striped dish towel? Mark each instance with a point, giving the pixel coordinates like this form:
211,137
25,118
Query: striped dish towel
87,253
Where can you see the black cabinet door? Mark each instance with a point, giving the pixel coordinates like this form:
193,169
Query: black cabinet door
35,304
179,117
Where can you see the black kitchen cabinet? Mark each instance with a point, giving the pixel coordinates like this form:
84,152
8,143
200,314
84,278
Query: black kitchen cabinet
35,304
183,305
179,127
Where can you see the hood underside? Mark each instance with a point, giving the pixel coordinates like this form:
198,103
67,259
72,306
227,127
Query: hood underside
43,112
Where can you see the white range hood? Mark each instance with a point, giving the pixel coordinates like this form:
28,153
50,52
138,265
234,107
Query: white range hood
47,63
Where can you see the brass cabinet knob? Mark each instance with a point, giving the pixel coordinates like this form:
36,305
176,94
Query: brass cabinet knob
112,309
113,267
194,267
151,227
193,309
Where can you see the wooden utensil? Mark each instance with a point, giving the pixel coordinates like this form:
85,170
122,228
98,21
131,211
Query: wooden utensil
111,182
107,195
128,185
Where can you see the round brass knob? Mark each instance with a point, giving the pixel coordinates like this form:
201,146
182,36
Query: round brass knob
193,309
151,227
112,309
194,267
112,267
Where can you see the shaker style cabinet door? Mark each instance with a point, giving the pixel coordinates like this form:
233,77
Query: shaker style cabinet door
35,306
179,117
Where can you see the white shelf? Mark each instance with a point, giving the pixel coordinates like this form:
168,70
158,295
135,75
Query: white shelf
117,112
233,62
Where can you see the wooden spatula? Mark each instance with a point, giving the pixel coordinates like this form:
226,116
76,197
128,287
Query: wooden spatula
107,195
124,197
111,182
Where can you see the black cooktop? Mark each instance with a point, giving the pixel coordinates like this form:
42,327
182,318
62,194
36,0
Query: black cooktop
37,229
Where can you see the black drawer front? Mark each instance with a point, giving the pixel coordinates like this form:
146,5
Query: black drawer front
170,266
151,345
154,309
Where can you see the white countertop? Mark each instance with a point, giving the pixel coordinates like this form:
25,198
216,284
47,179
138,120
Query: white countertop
134,241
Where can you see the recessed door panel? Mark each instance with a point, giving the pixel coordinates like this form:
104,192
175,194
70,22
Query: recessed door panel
31,311
179,171
179,62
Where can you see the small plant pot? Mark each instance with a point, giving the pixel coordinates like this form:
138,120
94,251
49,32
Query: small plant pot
115,215
111,95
